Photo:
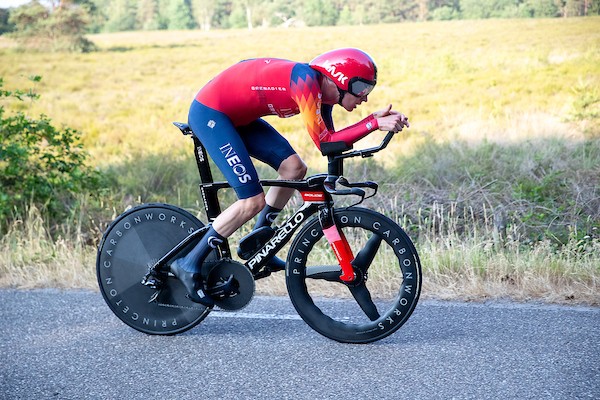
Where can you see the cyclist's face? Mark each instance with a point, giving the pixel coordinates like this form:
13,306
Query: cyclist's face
350,102
331,96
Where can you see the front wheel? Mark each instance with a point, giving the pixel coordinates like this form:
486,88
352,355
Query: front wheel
384,296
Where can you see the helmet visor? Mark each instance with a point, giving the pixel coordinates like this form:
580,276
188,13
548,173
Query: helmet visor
360,87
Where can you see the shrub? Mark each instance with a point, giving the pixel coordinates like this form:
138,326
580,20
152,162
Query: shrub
60,29
39,164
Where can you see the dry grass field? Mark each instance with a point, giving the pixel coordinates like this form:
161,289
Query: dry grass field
494,105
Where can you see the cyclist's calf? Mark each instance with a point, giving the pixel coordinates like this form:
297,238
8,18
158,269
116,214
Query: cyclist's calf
238,214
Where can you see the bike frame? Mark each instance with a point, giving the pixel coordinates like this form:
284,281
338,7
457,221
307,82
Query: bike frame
316,191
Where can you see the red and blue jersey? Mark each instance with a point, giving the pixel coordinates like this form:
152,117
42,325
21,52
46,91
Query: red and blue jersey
259,87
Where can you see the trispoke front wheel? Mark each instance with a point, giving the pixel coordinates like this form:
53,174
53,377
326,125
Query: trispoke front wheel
383,297
365,301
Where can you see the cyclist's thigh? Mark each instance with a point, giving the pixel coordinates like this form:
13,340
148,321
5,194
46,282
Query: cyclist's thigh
265,143
225,146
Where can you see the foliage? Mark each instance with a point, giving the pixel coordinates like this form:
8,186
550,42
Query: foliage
40,165
5,26
546,189
222,14
318,13
126,15
59,29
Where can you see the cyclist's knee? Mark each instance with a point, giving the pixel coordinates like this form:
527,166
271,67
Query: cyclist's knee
253,205
292,168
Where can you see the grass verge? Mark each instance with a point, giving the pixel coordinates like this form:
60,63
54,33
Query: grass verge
477,268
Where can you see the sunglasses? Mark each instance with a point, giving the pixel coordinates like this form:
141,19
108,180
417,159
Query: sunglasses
360,87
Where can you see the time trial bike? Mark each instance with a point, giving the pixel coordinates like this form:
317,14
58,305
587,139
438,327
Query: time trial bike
337,252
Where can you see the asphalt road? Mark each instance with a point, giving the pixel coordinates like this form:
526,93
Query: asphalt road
68,345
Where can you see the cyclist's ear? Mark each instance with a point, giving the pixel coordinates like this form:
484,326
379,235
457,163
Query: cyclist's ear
329,91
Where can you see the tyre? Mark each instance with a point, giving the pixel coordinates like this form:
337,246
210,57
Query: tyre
385,294
135,241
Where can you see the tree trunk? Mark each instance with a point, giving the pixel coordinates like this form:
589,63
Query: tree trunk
249,17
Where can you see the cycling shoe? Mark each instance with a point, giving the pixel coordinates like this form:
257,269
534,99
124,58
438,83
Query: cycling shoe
193,285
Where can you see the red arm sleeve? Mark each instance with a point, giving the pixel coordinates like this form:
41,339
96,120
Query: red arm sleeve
355,132
306,92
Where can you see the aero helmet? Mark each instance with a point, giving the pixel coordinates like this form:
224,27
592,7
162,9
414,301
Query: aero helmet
352,70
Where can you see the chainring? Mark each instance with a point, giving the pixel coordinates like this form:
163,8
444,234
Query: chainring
230,284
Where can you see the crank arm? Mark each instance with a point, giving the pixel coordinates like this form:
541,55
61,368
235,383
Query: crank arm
223,289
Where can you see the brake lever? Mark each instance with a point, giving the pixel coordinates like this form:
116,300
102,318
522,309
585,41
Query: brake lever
374,186
330,187
367,184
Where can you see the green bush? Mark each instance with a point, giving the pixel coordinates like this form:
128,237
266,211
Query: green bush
56,29
39,164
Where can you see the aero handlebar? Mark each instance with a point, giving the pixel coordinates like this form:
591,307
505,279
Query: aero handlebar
364,153
335,160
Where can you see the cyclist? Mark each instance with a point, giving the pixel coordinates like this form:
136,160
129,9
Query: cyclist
226,116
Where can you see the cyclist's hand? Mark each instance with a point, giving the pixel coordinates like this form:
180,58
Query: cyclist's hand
390,120
386,111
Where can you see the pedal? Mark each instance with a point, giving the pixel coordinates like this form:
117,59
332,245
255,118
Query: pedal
152,281
227,287
231,285
253,241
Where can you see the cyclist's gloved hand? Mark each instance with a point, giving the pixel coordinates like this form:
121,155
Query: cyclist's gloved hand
390,120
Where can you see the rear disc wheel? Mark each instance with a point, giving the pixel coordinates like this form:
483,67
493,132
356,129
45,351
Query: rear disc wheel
135,241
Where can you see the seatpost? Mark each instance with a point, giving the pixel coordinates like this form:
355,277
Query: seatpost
202,161
209,193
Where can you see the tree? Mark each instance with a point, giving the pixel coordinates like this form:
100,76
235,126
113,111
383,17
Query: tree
121,16
249,6
203,11
57,29
237,18
319,13
283,12
399,10
474,9
147,15
576,8
5,26
345,16
179,15
539,8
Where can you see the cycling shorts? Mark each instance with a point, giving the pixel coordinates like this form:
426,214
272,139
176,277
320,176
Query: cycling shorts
231,147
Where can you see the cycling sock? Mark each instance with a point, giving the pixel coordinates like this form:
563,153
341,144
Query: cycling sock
267,216
194,259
